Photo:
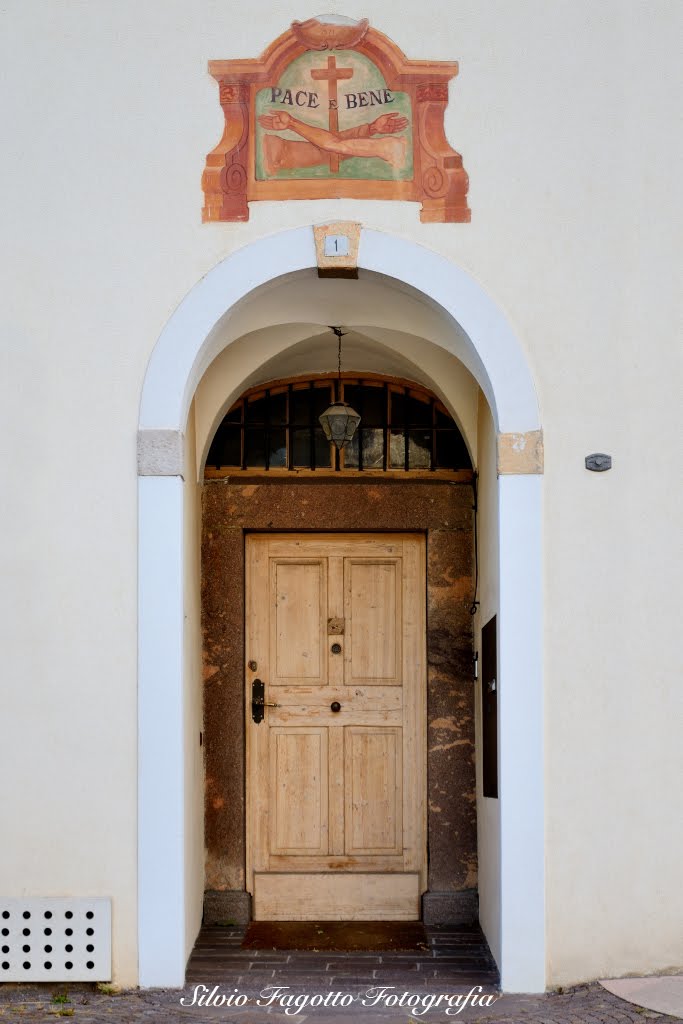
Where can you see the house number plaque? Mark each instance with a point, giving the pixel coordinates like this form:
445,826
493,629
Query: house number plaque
336,245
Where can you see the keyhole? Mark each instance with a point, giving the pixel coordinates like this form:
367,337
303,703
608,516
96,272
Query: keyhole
336,648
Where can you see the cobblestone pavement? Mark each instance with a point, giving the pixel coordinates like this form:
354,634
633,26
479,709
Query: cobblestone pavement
85,1004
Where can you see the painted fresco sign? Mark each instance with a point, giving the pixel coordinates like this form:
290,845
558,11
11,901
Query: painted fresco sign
333,109
333,119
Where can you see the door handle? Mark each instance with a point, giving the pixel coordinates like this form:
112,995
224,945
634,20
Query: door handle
258,701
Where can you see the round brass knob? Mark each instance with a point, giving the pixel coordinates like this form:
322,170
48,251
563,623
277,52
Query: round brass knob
335,706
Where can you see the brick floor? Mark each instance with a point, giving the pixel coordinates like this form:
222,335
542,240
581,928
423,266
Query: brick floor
458,962
456,956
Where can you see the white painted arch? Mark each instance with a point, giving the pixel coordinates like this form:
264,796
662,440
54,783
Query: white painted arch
198,330
195,334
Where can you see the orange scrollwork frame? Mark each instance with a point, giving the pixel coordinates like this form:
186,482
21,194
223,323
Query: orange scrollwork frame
439,179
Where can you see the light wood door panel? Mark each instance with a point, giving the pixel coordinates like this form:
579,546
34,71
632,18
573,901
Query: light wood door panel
298,790
373,790
298,599
373,621
336,799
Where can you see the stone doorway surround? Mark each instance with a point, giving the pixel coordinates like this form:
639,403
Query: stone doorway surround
444,511
493,354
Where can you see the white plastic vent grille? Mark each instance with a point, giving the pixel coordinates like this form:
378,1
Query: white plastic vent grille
55,940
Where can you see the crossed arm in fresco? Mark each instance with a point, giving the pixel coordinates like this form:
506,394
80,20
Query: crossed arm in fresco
358,141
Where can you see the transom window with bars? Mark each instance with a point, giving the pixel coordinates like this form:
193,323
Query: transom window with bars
403,427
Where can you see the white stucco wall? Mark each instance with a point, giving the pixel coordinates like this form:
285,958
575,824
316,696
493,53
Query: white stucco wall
488,808
564,116
193,693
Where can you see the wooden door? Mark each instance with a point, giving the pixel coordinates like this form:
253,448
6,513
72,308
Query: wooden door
336,799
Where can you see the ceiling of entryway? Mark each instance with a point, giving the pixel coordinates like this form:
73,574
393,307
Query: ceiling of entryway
283,330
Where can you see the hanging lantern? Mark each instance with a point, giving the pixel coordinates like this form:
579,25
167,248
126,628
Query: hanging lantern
340,420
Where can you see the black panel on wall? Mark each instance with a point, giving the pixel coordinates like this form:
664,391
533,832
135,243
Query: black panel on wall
489,707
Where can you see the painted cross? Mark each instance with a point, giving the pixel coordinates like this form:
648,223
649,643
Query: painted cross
332,75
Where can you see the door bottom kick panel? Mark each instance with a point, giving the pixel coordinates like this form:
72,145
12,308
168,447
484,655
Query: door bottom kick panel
336,897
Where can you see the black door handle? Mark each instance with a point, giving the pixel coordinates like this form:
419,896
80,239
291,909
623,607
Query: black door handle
259,702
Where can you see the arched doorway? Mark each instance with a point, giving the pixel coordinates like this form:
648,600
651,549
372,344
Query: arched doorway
457,318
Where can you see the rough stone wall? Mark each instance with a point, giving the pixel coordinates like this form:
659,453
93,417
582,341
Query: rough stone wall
442,509
452,814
